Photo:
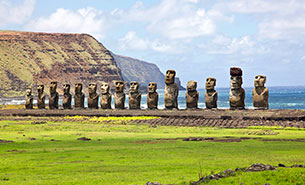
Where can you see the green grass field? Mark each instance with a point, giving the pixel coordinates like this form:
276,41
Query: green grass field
122,152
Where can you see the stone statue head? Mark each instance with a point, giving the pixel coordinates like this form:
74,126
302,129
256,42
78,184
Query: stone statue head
66,88
259,81
40,89
78,88
92,88
53,87
104,88
134,87
236,82
29,91
170,76
119,86
152,87
236,77
210,83
191,86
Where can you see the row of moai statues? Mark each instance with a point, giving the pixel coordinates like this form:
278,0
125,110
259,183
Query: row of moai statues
237,94
93,97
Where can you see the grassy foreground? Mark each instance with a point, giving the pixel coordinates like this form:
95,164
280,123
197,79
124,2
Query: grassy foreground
121,152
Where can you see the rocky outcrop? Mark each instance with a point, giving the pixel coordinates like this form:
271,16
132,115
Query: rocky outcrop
142,72
28,58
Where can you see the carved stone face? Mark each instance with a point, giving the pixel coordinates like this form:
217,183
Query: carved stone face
78,88
191,86
92,88
236,82
152,87
104,88
259,81
66,88
28,91
170,76
40,89
119,86
53,87
210,83
134,87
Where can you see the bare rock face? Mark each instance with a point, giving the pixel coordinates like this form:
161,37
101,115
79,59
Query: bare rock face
39,58
41,97
170,90
237,93
67,99
260,93
105,96
93,96
152,96
134,95
119,95
29,99
191,95
53,98
79,96
211,95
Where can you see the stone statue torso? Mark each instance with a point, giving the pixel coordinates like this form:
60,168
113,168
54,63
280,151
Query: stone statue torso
53,101
119,100
41,101
152,100
93,101
237,98
170,96
192,99
66,101
79,99
211,100
260,100
134,100
106,101
29,102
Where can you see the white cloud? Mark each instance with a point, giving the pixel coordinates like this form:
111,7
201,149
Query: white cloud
276,19
175,19
15,13
133,42
222,45
85,20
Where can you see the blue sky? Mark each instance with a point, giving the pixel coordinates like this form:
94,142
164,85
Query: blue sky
197,38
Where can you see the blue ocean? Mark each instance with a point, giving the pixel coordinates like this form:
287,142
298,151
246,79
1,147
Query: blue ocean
279,98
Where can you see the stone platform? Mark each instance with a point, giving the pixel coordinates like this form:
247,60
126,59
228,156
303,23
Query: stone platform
201,117
224,114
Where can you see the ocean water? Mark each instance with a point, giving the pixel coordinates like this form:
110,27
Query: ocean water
279,98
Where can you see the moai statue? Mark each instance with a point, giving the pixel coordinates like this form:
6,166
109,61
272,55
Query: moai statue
134,96
260,93
41,97
237,93
191,95
67,99
210,94
79,96
105,96
152,96
170,90
119,95
53,98
93,96
29,99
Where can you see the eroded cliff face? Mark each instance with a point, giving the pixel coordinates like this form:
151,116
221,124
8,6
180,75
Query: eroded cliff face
27,59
